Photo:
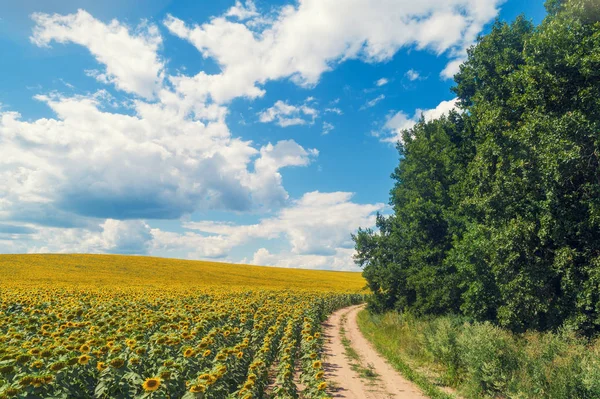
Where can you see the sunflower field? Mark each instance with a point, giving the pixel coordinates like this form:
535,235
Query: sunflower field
165,338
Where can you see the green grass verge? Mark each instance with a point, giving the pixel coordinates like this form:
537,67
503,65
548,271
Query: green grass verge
387,346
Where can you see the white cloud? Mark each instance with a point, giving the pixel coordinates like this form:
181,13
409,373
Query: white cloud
412,75
130,58
381,82
304,40
284,114
87,178
401,121
110,236
334,110
373,102
157,163
340,260
316,224
327,128
452,68
242,11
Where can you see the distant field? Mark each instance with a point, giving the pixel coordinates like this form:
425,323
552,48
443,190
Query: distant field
107,326
117,270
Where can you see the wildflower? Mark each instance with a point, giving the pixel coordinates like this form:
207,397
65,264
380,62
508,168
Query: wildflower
151,384
117,363
198,388
83,359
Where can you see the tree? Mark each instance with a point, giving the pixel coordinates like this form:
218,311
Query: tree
497,208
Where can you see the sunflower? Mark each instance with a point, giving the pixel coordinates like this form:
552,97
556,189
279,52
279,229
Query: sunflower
198,388
322,386
206,353
151,384
188,352
317,364
101,366
58,366
117,363
84,348
83,359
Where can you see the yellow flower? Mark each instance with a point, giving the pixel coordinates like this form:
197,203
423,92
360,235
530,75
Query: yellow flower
83,359
117,363
84,348
317,364
188,352
198,388
151,384
101,366
322,386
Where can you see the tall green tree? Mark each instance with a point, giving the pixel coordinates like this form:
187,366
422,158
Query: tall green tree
404,260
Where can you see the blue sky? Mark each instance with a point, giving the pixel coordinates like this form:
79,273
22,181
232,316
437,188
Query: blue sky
258,132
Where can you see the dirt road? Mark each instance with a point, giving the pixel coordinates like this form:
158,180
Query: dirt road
352,366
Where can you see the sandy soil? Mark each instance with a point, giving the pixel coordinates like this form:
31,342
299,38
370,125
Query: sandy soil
347,383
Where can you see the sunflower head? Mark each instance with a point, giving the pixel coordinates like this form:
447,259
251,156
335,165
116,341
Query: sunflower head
151,384
198,388
83,359
117,363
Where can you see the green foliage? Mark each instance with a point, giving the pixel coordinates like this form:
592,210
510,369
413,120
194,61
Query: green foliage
480,360
497,208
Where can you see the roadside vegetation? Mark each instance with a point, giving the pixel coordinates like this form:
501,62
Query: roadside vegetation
480,360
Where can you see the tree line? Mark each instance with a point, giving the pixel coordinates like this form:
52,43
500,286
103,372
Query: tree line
496,206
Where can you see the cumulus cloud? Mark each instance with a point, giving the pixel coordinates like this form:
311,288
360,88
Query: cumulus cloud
154,164
130,57
452,68
317,224
242,11
381,82
90,177
400,121
307,39
109,236
284,114
340,260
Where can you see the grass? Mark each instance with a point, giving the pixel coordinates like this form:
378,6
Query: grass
480,360
386,341
117,270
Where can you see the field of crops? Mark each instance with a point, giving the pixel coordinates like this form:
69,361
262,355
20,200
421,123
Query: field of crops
163,328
